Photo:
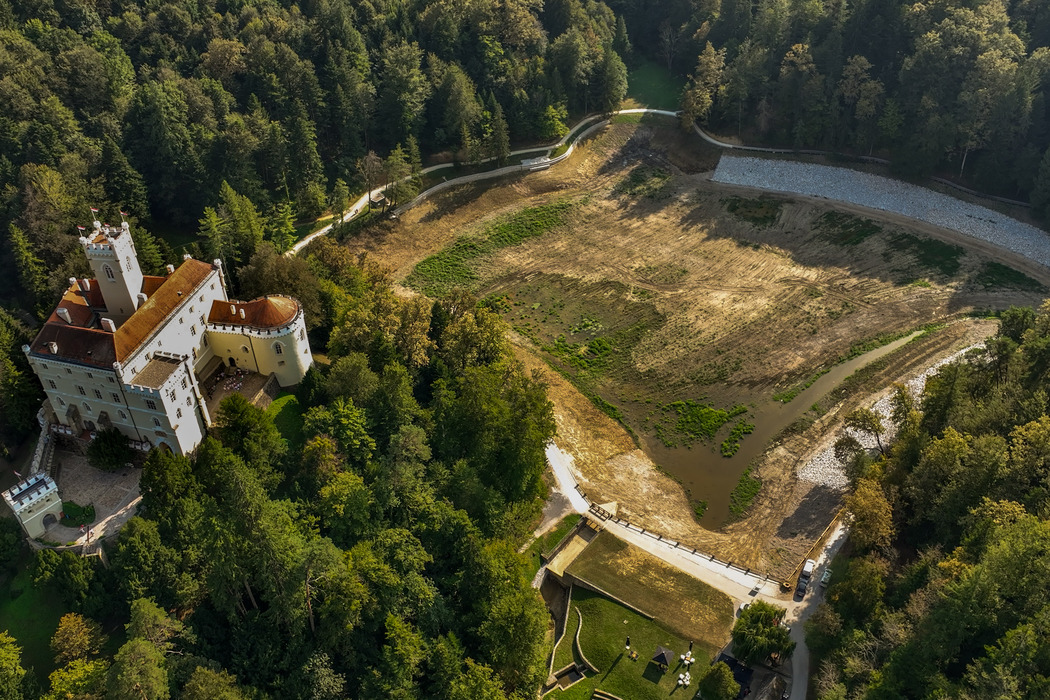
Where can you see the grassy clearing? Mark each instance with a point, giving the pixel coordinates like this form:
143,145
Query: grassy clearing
287,415
454,266
602,639
31,616
548,541
996,275
846,229
744,493
931,254
652,85
684,605
75,515
732,443
645,181
565,654
760,212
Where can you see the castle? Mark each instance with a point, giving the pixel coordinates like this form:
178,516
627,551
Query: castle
131,351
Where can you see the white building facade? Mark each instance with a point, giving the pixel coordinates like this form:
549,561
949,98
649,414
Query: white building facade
130,351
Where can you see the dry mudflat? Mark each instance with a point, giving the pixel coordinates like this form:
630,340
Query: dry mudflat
657,286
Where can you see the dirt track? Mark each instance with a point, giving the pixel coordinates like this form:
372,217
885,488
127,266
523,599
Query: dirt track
755,308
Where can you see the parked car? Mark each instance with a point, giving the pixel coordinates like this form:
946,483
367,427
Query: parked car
743,606
805,577
825,579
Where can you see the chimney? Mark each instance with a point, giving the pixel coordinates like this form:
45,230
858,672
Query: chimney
63,313
72,281
53,347
140,299
242,314
108,325
187,256
85,285
171,269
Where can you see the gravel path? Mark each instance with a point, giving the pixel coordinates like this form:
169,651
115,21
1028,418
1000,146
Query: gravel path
889,195
824,469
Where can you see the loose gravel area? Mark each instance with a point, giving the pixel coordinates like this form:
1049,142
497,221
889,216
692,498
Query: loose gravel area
882,193
825,470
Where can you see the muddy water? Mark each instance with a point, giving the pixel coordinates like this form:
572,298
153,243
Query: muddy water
710,477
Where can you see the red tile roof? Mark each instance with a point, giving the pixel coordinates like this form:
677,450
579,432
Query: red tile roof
264,312
101,348
176,289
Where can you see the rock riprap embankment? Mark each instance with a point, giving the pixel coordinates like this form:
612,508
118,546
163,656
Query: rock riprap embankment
889,195
825,470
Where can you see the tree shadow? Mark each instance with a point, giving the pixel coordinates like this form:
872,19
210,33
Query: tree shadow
810,517
612,666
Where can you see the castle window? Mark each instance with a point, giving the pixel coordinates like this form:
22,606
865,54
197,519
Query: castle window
43,366
116,397
184,382
194,350
151,405
98,394
193,330
61,402
205,341
51,383
178,413
127,261
156,421
203,322
302,334
123,416
109,272
278,348
81,390
171,394
111,381
280,363
69,371
87,408
182,320
244,349
89,375
189,401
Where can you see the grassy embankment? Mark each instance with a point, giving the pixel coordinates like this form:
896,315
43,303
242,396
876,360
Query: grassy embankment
683,609
287,415
549,540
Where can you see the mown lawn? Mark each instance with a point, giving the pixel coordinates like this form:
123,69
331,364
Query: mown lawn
686,605
652,85
31,616
606,626
547,542
287,415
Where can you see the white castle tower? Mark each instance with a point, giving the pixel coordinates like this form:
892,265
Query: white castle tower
111,253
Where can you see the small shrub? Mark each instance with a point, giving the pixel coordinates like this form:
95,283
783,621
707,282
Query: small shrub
74,515
744,493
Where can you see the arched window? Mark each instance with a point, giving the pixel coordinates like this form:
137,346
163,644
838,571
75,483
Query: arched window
127,261
244,349
109,272
278,348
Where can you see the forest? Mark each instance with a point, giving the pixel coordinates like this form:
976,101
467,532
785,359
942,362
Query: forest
372,553
945,593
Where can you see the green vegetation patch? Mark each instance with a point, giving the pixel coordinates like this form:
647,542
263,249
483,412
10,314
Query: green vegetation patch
694,421
454,266
744,493
995,275
732,443
645,181
684,605
74,515
930,253
287,415
761,212
547,542
651,85
846,229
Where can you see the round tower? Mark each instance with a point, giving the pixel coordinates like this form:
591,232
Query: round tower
111,253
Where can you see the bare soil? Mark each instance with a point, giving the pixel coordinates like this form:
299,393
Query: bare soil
698,302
